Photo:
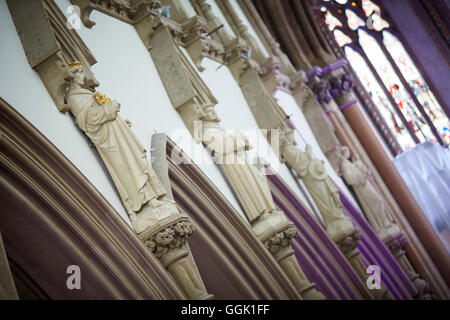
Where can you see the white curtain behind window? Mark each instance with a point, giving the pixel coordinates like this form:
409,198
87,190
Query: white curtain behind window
426,171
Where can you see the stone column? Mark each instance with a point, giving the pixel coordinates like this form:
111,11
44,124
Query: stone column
168,241
396,245
276,231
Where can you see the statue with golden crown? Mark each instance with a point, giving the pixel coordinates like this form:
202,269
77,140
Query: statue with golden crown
124,156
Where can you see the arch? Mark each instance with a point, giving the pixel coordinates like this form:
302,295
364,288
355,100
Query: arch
53,217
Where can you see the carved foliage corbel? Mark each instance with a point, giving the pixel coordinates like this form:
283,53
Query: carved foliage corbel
168,238
129,11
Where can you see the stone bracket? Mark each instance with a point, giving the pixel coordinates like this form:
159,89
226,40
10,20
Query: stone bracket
129,11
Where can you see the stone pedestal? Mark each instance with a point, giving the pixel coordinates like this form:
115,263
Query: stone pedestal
167,239
349,246
277,232
395,244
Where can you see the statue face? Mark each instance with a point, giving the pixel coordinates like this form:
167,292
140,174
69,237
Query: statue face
210,114
345,152
79,77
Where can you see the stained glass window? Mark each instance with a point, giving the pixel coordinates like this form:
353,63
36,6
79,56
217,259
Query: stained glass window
369,7
341,38
379,98
376,22
404,112
394,85
418,84
331,21
354,22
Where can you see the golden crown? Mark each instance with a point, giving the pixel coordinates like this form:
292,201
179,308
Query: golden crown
75,65
101,98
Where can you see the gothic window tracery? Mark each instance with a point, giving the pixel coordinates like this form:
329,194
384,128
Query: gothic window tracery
398,89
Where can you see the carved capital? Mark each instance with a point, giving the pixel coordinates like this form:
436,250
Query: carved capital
237,57
169,236
321,89
349,243
273,78
397,243
341,85
281,239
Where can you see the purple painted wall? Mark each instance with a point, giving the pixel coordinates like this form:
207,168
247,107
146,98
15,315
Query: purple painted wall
425,49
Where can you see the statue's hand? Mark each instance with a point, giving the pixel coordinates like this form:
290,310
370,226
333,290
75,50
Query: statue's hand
115,105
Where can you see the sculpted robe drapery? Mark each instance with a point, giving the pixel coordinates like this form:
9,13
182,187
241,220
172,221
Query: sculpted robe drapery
325,194
250,185
119,148
357,175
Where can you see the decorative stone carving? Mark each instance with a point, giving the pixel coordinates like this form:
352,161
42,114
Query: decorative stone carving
124,156
349,246
153,215
340,85
395,245
281,239
321,89
358,176
274,79
195,103
248,182
171,238
167,239
277,233
325,194
253,192
130,11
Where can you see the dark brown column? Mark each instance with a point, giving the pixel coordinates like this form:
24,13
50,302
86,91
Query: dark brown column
399,190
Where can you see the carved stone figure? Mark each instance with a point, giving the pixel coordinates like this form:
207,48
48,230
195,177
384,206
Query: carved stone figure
325,194
271,226
125,158
357,175
244,176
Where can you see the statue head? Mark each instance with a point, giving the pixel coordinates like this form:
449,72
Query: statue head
76,68
210,114
345,152
286,137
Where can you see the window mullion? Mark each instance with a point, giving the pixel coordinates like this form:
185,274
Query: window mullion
389,96
409,90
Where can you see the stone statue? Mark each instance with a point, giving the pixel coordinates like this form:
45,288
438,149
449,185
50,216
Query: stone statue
313,174
125,158
270,225
357,175
248,182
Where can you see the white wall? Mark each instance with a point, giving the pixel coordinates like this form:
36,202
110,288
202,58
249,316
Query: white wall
125,72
